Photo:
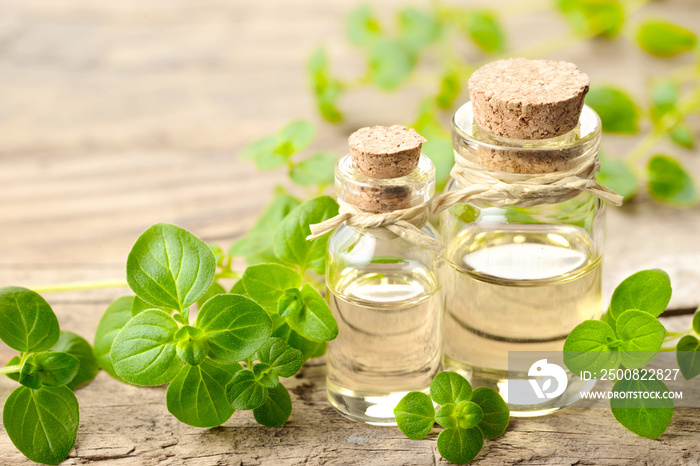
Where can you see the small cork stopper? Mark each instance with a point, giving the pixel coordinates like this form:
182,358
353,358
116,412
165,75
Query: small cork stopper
527,99
385,151
378,199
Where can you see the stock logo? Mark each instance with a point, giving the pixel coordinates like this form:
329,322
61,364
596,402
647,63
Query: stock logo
542,369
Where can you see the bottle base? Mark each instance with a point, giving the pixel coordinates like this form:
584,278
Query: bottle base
500,380
375,409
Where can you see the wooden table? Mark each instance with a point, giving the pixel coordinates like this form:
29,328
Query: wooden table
117,115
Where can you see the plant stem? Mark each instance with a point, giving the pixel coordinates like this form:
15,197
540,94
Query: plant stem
87,285
10,369
667,349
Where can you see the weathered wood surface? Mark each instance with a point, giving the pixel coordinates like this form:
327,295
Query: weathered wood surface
117,115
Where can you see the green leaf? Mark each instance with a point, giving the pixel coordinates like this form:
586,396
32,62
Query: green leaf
113,320
646,290
48,369
591,346
460,446
647,417
485,30
417,28
603,18
290,243
618,112
197,396
298,134
495,412
283,360
14,361
664,39
256,149
42,423
696,321
256,246
170,267
688,356
244,392
450,387
318,169
618,176
468,414
192,346
415,415
276,409
682,135
450,87
664,97
267,283
290,303
362,26
669,182
213,290
315,321
445,416
235,327
28,322
641,334
265,376
76,346
390,63
310,349
144,353
325,88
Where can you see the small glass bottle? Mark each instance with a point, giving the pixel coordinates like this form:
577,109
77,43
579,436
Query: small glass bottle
519,279
383,291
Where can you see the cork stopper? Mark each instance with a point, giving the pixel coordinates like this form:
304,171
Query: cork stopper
385,151
527,99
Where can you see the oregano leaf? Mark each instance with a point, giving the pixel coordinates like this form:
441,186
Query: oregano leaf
28,322
458,445
670,182
51,369
170,267
415,415
390,63
618,176
197,395
234,327
266,283
445,416
641,335
617,110
78,347
290,243
688,356
450,387
290,303
646,290
485,31
317,169
281,357
664,39
192,346
144,352
42,423
468,414
276,409
315,321
495,412
590,347
244,392
645,416
113,320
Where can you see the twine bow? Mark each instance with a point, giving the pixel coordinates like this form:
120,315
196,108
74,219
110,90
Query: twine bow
502,189
406,223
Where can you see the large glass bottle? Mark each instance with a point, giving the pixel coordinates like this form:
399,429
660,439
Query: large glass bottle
520,278
385,295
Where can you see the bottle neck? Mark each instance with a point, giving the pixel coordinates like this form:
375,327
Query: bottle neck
526,156
384,195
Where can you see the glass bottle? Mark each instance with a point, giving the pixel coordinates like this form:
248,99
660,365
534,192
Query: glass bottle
385,295
520,279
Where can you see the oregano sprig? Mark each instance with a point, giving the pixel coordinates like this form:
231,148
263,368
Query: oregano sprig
630,335
41,416
468,417
228,358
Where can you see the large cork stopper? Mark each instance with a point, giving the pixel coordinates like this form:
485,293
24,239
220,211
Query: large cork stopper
527,99
385,151
382,153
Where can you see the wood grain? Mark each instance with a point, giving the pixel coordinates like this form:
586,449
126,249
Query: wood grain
117,115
